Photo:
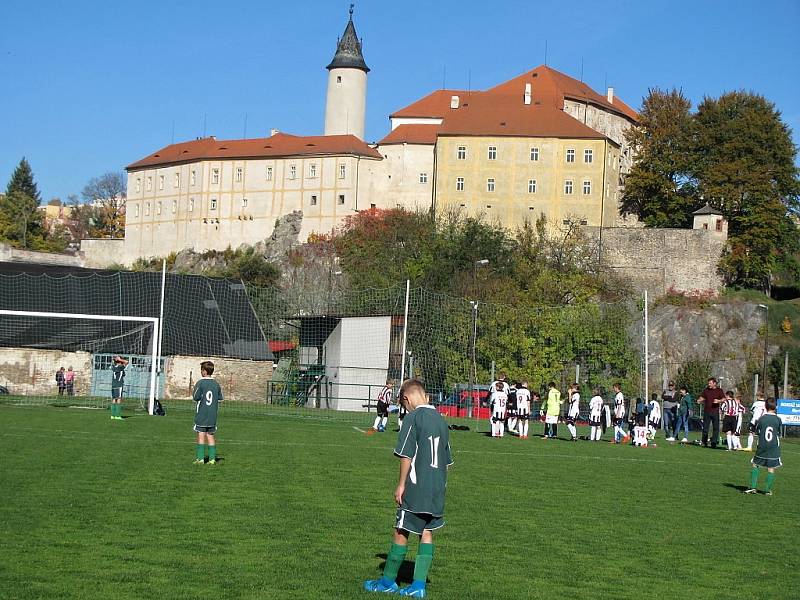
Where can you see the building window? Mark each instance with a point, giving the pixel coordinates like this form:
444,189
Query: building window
138,184
312,170
338,79
587,187
174,206
146,209
588,156
570,155
531,186
135,210
191,205
719,225
149,183
161,182
269,173
193,177
314,200
341,198
492,153
459,184
423,178
213,204
215,176
292,172
568,186
244,202
177,180
534,154
462,153
490,184
342,171
238,174
705,225
158,207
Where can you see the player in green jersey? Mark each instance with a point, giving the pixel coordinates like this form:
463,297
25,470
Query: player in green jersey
423,448
768,453
207,394
117,387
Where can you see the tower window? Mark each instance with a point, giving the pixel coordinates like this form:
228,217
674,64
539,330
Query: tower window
313,200
341,198
338,79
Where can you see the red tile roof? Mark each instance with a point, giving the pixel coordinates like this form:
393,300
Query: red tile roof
276,146
412,134
434,105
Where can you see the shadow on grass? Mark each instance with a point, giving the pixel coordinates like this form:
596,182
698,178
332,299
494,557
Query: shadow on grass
406,573
740,488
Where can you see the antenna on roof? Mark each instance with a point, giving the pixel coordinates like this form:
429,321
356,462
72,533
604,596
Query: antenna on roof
545,53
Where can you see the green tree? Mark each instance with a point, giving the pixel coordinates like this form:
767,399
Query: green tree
744,162
22,181
658,189
106,197
20,222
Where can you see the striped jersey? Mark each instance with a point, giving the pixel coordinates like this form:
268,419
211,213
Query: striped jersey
385,395
731,407
619,405
523,400
499,401
574,405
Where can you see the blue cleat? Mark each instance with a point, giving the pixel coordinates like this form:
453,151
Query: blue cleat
381,585
415,590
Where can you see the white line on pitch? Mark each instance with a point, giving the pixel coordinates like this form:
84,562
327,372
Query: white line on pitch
358,429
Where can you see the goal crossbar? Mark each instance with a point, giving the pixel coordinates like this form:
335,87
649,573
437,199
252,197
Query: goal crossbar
88,317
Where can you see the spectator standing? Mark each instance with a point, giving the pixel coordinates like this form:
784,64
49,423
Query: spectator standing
60,381
711,398
69,381
669,406
684,412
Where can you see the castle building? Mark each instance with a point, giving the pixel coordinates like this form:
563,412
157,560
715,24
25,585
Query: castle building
540,143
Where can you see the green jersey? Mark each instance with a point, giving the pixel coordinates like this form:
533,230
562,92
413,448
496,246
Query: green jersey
553,402
425,439
208,395
768,429
117,376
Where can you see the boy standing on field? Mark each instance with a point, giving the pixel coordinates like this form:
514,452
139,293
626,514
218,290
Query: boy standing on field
768,453
207,394
551,409
758,410
423,448
619,415
117,386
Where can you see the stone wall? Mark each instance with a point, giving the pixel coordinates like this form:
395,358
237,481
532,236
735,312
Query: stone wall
684,260
32,372
102,253
240,379
9,254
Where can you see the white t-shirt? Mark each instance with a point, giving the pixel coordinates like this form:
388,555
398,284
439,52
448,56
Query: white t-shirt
640,436
619,406
523,401
499,400
574,405
595,408
655,411
758,408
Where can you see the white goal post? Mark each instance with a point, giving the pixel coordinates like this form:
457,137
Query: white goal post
154,345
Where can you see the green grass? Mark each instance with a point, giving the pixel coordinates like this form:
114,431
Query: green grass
302,508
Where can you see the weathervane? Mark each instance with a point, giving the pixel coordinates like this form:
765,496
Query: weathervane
351,11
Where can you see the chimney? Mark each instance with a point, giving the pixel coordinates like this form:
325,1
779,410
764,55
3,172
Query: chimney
272,132
454,101
610,95
527,93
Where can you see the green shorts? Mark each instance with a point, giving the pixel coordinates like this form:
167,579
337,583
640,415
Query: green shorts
203,429
770,463
417,522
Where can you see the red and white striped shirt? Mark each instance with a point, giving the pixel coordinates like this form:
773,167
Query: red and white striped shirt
731,407
385,395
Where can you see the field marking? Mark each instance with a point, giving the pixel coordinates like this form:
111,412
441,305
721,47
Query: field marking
359,429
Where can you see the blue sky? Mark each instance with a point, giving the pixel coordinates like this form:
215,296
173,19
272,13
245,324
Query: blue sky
88,87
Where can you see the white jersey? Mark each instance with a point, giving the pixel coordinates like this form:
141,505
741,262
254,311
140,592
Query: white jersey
619,406
499,400
640,436
506,387
574,405
595,408
523,401
758,410
655,411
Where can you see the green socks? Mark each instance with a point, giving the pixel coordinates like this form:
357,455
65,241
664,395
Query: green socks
423,563
212,453
770,481
754,478
116,409
201,452
397,554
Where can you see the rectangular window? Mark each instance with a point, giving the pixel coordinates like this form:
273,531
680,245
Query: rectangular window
177,180
490,184
423,178
312,170
238,174
193,177
292,172
462,153
588,156
149,183
459,184
531,186
313,200
719,225
215,176
568,186
146,209
158,207
161,182
587,187
174,206
213,204
570,155
534,154
342,171
191,205
269,173
341,198
244,202
492,153
135,210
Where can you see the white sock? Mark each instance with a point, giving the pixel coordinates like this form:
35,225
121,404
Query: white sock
729,441
384,420
525,427
737,443
502,428
512,424
377,423
749,441
572,430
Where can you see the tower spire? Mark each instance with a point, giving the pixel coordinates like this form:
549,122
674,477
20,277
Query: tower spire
348,50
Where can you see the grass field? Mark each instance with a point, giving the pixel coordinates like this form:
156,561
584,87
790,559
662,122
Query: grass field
302,508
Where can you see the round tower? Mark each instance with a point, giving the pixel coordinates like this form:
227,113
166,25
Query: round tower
346,102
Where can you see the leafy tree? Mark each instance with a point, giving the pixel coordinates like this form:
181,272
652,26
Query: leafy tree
658,189
106,195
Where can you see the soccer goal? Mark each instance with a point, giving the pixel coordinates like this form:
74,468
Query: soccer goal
66,358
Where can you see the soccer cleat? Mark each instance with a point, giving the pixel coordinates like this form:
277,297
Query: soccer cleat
751,491
769,493
212,462
747,449
684,440
197,461
380,585
670,439
415,590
